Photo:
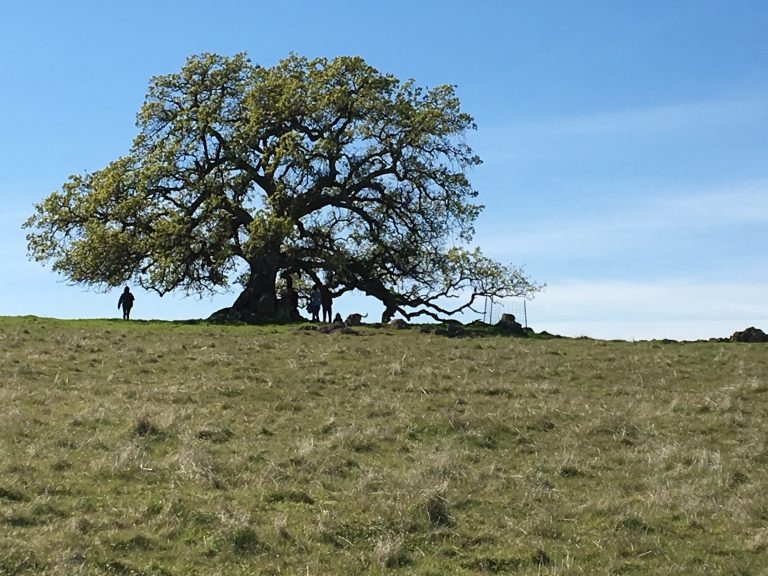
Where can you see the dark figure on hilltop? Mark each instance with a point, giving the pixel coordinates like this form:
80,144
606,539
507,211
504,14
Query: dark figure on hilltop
315,299
126,302
327,303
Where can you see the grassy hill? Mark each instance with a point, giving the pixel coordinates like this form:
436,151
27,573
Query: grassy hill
169,448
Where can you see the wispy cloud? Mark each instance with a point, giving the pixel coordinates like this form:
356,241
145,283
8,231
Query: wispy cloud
669,118
737,205
640,310
609,228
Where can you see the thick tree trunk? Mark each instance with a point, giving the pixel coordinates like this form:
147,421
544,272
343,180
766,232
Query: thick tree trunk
258,299
257,302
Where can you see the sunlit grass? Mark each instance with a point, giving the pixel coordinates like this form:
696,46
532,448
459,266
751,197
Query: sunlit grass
167,448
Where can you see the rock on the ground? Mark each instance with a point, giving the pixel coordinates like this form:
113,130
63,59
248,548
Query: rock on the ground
751,334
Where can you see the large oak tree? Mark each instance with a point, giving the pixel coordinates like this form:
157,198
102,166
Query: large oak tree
322,169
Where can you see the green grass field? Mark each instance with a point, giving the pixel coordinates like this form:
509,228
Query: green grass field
142,448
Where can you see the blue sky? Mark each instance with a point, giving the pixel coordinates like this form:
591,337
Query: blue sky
624,142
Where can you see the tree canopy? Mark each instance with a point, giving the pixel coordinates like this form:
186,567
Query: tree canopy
326,170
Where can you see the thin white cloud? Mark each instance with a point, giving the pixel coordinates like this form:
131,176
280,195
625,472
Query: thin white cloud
668,118
641,310
741,204
671,118
684,299
647,217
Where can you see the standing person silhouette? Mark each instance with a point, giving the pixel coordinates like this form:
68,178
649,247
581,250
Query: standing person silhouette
326,299
126,302
315,299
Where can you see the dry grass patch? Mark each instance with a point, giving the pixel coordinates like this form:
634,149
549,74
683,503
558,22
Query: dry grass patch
170,448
